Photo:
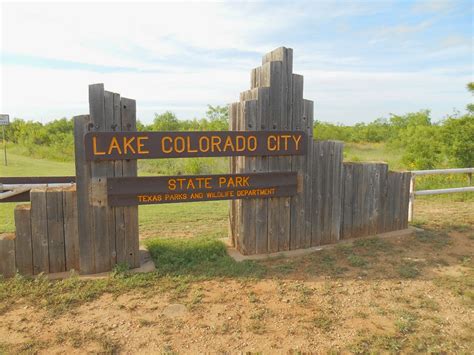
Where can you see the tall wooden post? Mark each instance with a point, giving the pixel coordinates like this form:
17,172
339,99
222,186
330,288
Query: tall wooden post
107,235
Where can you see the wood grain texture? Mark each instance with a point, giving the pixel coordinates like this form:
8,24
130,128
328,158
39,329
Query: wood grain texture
261,165
110,125
55,220
71,231
129,168
7,256
39,231
249,166
23,241
308,117
99,170
298,164
83,182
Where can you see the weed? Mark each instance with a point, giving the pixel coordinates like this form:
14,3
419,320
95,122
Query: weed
120,269
253,297
372,246
323,322
406,323
429,303
305,293
196,298
376,343
259,313
327,263
256,326
408,270
438,240
356,261
360,314
286,268
146,323
462,286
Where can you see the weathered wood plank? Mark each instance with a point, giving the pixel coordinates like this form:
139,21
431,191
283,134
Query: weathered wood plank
382,197
7,255
357,200
99,170
23,241
326,190
110,125
348,203
83,182
276,236
55,220
397,200
337,193
261,216
129,168
374,198
71,232
39,231
249,206
298,164
308,117
119,254
316,209
232,162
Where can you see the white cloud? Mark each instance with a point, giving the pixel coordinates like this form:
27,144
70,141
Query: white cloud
173,55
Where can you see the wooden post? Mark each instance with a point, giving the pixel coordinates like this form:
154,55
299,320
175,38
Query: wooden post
39,231
411,203
107,235
7,255
23,241
71,236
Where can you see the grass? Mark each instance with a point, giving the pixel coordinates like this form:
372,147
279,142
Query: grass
200,257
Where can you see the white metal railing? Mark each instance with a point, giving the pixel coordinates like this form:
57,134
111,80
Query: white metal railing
416,173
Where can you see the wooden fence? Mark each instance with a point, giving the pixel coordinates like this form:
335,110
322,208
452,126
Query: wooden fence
335,200
46,232
61,230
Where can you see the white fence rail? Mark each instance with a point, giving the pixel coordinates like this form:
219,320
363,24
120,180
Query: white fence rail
416,173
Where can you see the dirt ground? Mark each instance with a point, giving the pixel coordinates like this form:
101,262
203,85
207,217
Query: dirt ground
411,294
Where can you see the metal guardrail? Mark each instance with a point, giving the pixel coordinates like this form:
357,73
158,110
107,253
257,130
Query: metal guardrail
416,173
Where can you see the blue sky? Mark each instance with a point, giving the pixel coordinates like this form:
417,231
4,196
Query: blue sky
361,60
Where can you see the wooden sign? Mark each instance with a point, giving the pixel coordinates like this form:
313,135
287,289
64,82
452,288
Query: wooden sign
152,145
129,191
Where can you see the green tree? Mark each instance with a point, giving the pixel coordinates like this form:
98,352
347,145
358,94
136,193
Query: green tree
217,117
458,139
470,88
166,122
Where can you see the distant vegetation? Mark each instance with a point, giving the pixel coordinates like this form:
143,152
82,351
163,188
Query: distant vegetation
421,143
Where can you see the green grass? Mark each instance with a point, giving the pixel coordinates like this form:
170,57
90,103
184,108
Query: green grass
199,257
372,152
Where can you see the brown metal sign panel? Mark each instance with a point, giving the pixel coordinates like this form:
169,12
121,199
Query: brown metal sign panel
153,145
129,191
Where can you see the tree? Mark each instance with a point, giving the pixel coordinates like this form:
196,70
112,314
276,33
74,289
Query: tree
166,122
470,88
218,117
458,139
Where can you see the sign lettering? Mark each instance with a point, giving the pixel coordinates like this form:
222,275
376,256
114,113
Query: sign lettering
152,145
129,191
